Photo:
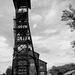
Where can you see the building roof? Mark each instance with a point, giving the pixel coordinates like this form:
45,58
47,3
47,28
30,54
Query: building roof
18,3
42,61
69,72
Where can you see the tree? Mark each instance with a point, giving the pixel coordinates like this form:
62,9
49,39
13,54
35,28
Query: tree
9,71
69,15
60,70
3,74
54,70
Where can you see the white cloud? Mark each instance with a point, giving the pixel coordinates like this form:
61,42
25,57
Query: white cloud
50,17
63,40
3,38
58,60
52,14
5,54
59,41
36,38
36,17
66,60
50,31
5,58
1,15
64,44
35,25
3,42
59,46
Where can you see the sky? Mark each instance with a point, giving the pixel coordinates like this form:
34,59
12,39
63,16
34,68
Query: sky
51,37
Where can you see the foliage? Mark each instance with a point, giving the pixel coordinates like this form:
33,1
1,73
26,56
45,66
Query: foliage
59,70
9,71
69,16
3,74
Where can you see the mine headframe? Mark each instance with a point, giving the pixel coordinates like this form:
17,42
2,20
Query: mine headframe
23,47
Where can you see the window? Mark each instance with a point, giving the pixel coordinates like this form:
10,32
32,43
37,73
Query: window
41,73
22,10
41,67
32,65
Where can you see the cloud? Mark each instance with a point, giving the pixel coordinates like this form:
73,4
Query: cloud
3,39
52,14
2,42
57,47
41,4
36,38
1,15
41,50
65,45
36,17
5,54
35,25
55,41
48,31
5,58
53,17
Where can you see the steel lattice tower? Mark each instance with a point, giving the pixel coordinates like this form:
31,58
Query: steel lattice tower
23,42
